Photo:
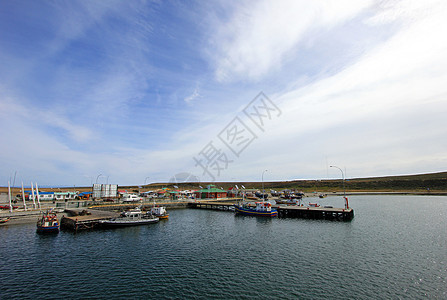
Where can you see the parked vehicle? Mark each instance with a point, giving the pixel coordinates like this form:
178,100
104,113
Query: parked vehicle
7,207
131,198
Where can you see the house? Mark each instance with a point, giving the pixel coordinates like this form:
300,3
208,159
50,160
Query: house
85,195
233,192
46,196
65,195
211,192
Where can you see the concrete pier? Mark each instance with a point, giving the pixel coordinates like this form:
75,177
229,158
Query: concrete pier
325,213
286,211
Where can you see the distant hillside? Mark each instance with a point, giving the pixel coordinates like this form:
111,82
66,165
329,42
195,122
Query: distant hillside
431,182
428,176
415,183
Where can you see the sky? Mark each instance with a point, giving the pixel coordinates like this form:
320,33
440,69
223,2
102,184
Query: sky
136,92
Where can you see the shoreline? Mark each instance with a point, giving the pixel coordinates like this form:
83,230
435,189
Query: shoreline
20,216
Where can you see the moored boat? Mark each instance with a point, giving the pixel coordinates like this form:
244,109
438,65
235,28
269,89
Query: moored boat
132,217
160,212
48,223
263,209
4,220
288,201
261,195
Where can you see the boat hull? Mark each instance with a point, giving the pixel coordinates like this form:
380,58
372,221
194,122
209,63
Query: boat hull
4,220
47,229
48,223
124,223
253,212
163,217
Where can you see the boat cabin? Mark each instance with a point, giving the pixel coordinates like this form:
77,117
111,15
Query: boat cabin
263,206
132,214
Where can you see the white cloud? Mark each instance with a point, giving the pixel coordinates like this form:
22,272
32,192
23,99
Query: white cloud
193,96
383,114
262,33
404,10
13,110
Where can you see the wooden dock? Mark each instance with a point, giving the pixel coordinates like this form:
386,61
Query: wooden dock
86,221
286,211
324,213
214,205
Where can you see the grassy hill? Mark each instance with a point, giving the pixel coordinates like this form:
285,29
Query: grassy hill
431,182
434,182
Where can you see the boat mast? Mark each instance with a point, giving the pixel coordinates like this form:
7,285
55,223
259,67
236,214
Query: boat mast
13,184
263,190
243,193
9,196
23,197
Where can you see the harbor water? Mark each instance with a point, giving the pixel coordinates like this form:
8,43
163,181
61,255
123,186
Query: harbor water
394,248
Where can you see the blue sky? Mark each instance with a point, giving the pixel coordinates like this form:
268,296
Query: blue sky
129,92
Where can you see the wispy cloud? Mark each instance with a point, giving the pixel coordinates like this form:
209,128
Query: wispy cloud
13,111
107,88
377,113
193,96
260,34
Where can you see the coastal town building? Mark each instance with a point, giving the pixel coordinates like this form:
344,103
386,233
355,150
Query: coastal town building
211,192
65,195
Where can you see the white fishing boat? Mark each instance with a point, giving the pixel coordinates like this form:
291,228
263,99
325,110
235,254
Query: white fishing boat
132,217
160,212
292,201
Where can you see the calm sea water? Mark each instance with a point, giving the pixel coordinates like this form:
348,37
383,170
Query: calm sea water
395,247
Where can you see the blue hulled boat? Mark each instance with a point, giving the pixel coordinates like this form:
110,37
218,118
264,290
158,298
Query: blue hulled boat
48,223
263,209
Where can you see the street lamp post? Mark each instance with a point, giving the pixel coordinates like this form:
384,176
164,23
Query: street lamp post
145,180
344,190
98,177
263,191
